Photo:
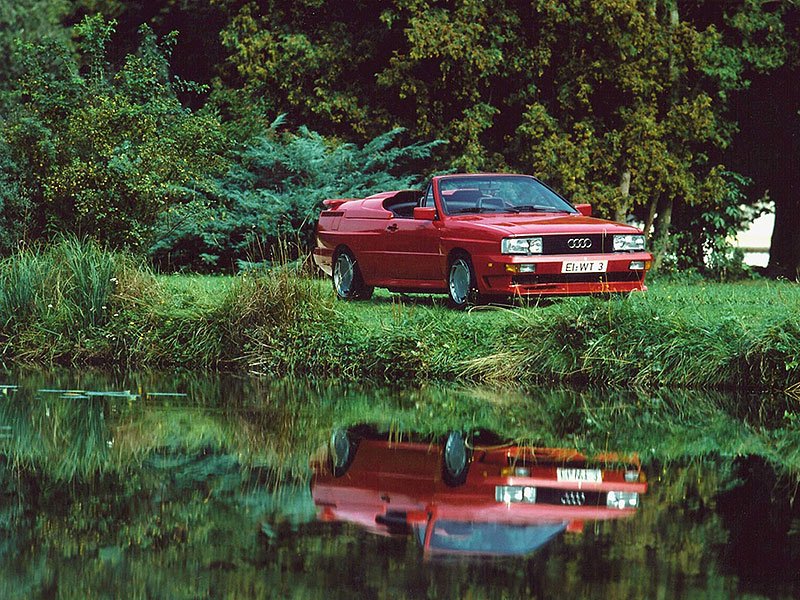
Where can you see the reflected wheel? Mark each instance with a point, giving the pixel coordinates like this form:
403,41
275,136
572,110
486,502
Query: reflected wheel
342,451
455,459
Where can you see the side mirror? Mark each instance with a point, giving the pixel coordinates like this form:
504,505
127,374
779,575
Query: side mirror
584,209
424,213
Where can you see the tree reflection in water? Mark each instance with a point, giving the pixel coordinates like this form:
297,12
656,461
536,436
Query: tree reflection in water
208,496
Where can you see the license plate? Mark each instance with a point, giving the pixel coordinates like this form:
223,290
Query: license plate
580,475
584,266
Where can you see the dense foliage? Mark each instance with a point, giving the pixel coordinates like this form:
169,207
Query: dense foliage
100,151
627,104
272,193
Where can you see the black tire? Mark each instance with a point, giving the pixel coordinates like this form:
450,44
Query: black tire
456,457
462,287
348,282
341,451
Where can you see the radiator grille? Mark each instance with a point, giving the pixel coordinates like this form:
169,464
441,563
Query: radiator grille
595,243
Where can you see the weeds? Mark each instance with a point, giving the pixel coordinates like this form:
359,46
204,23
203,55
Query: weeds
20,286
79,304
88,280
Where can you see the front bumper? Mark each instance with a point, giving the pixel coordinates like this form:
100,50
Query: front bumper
495,277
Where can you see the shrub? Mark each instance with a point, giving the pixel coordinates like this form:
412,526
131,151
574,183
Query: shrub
275,191
97,152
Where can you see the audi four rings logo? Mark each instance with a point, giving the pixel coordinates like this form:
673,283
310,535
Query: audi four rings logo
576,243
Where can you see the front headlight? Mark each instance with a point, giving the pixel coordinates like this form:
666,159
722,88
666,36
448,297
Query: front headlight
628,243
532,245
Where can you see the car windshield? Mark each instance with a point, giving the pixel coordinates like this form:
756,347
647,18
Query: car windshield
499,194
498,539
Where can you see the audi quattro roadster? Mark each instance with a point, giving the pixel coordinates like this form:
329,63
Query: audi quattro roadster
475,237
459,497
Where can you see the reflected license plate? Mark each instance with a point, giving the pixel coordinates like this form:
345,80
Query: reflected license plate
584,266
580,475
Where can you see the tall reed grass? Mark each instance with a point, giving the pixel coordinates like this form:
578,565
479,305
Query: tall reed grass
78,303
71,282
86,274
20,286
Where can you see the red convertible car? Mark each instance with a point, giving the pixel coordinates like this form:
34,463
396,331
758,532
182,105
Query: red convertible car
474,236
497,500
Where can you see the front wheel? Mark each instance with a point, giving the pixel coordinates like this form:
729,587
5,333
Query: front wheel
461,283
348,283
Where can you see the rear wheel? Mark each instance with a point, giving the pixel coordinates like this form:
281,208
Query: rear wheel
348,283
461,282
455,459
342,451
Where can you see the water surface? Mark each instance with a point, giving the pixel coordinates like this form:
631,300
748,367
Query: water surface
184,486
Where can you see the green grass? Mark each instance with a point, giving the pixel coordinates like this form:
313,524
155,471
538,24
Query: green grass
676,334
192,293
77,304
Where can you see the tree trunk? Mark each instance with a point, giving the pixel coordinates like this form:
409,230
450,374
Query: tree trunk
660,240
651,216
660,243
784,252
623,206
781,172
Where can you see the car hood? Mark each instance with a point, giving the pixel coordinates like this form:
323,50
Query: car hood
511,225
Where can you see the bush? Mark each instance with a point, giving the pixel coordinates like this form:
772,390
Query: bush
96,152
70,285
275,191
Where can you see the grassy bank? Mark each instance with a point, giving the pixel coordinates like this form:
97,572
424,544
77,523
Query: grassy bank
76,304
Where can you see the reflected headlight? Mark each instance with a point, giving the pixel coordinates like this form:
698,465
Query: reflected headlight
630,243
515,493
532,245
622,500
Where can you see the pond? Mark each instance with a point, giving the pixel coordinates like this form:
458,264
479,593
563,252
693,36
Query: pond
204,486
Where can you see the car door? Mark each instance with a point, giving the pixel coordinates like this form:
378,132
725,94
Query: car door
411,248
408,475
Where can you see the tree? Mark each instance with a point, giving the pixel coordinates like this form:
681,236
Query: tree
20,20
273,193
101,152
27,20
313,61
617,102
197,51
782,173
767,146
626,114
459,71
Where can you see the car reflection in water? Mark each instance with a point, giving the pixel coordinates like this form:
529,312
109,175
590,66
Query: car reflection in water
462,496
